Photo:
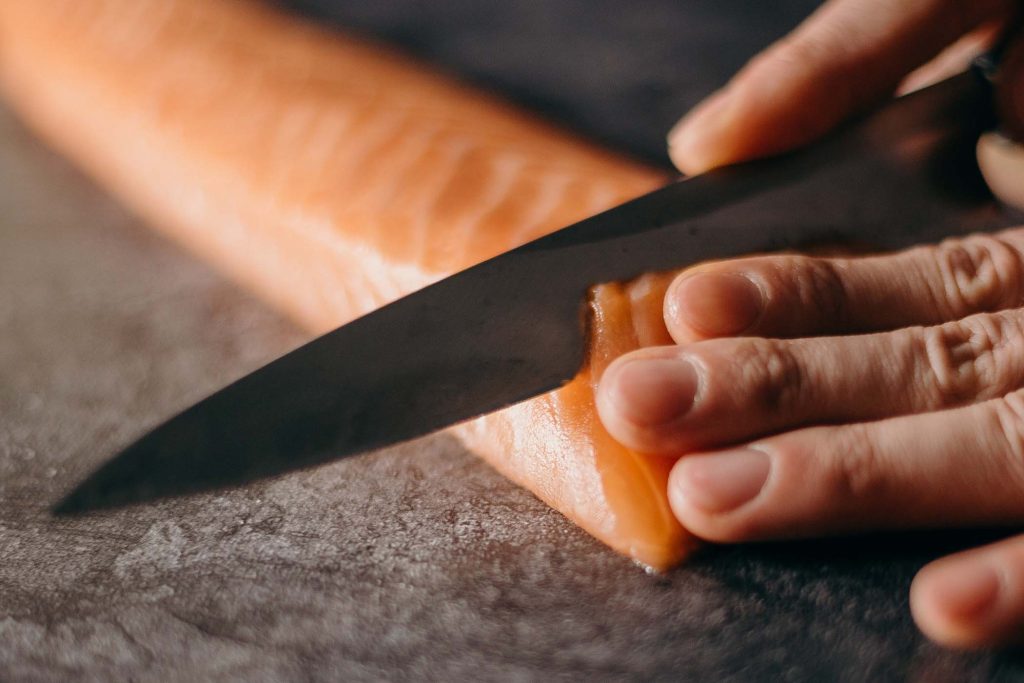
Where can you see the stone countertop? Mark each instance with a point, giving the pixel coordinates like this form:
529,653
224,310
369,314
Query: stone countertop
414,562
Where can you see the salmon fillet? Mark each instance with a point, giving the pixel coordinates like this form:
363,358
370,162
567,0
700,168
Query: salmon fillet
332,176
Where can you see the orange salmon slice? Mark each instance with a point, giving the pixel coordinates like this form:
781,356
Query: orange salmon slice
332,176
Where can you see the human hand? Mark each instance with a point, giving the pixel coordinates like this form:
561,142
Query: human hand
918,424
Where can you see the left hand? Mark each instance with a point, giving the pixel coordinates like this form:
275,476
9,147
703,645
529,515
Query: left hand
919,423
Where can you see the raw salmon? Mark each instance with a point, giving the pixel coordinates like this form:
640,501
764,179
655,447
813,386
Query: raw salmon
332,176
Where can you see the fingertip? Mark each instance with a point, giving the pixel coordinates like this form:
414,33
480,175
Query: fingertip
642,396
707,304
954,601
720,482
712,494
679,484
699,141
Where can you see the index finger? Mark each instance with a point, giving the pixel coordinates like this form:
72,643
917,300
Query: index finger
845,57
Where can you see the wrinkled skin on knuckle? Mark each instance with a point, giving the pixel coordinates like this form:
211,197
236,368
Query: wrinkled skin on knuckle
856,476
820,289
964,362
981,273
772,379
998,343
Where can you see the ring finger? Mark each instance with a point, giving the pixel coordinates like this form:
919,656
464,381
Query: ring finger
959,467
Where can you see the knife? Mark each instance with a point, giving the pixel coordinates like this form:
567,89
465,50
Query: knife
514,327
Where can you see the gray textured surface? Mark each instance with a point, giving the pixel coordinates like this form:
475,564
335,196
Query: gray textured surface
416,562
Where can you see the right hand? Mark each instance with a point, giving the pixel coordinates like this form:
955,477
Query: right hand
919,425
846,58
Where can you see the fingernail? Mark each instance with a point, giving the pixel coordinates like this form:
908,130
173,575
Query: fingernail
720,482
716,304
693,141
965,590
652,391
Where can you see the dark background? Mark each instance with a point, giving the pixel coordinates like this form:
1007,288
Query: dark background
418,561
620,72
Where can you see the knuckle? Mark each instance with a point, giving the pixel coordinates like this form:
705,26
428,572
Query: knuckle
968,359
857,473
820,287
980,273
773,378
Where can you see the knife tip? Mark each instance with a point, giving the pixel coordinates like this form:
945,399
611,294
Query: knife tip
75,503
99,492
69,506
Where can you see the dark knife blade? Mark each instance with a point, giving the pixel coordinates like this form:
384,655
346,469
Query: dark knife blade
514,327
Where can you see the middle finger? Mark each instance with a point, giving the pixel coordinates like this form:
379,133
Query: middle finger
674,399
